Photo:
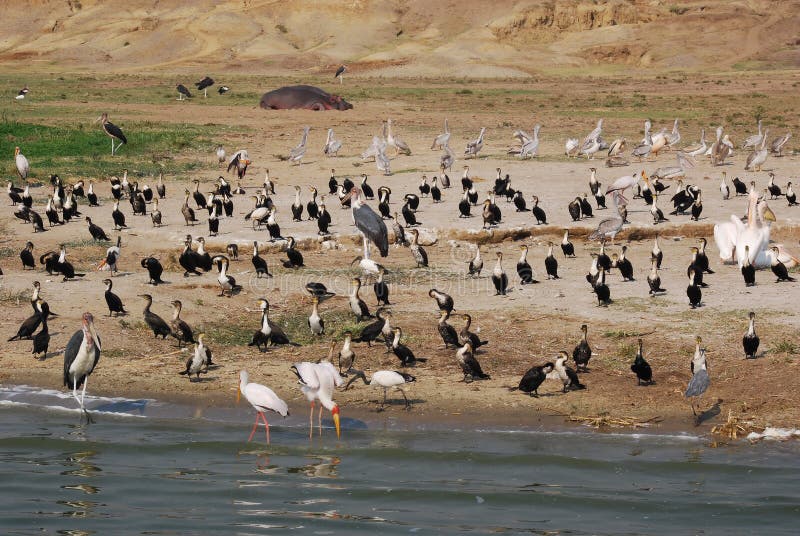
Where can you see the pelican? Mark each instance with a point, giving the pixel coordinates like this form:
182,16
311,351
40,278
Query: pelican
571,147
297,154
447,159
317,382
23,167
531,147
393,141
720,150
609,227
593,136
756,139
732,237
113,132
475,146
683,162
757,158
621,184
698,148
369,224
441,141
644,149
616,147
80,358
263,399
382,162
332,145
673,137
777,144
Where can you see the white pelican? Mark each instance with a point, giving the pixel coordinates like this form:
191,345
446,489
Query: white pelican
698,148
332,145
732,237
80,358
393,141
571,147
755,140
616,147
531,147
263,399
23,167
440,141
757,158
777,144
646,146
675,136
475,146
297,154
593,136
447,159
659,141
317,382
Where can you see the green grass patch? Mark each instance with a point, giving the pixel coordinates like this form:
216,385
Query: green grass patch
785,346
84,150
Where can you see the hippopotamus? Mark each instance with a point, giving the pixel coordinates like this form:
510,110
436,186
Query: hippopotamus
304,98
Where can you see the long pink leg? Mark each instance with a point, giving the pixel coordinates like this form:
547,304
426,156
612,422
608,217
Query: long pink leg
311,422
320,419
266,424
255,424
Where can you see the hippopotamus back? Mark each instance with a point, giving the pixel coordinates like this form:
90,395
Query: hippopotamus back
302,97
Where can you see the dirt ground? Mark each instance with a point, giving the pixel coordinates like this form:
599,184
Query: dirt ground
525,328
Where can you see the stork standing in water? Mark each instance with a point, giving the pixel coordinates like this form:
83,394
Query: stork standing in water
113,132
318,382
263,399
80,358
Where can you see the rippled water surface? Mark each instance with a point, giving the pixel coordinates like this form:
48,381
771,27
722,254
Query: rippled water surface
151,468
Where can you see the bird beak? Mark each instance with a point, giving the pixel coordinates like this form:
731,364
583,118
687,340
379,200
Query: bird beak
336,422
769,215
98,119
238,395
95,338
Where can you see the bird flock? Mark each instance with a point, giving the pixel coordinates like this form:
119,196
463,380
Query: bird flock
745,242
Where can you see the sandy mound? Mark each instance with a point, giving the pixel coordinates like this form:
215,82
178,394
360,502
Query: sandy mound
398,37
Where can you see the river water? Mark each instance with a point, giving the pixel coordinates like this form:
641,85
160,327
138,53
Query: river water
147,467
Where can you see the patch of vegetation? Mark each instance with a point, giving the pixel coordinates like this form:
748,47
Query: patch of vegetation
785,346
281,28
232,334
620,334
678,10
83,150
13,296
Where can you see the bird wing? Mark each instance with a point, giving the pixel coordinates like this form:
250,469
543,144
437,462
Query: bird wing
70,353
373,227
307,374
698,384
326,367
262,397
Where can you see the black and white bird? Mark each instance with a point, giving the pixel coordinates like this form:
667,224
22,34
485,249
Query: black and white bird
227,283
641,367
22,92
469,364
115,307
223,89
340,73
534,378
778,268
443,300
200,359
204,84
315,322
568,377
113,132
750,340
499,277
582,352
369,224
700,380
154,270
183,91
80,359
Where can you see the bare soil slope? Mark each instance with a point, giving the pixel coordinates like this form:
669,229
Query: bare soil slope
399,37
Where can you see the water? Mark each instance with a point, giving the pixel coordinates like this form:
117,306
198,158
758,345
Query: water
153,468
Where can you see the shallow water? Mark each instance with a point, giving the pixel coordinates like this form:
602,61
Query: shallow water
152,468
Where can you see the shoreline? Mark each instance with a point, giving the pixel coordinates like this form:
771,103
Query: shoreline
395,417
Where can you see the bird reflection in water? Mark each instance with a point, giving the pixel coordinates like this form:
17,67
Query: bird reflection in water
325,467
78,464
